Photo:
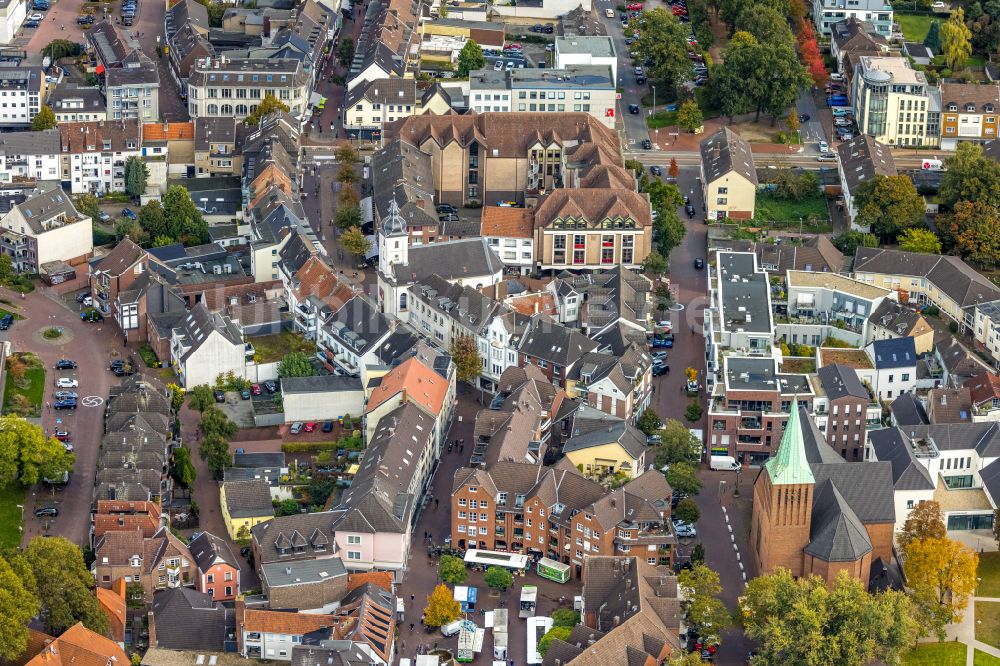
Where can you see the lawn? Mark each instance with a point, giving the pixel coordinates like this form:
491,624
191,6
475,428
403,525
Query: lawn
988,622
914,27
980,658
989,575
936,654
30,401
271,348
16,316
10,516
784,213
661,119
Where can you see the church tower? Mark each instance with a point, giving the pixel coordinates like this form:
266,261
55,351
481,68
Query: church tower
393,241
782,503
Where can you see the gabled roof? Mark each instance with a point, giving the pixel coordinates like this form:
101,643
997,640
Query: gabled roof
358,325
899,320
208,550
835,533
507,222
893,353
725,152
841,381
554,343
984,387
125,255
598,429
862,159
593,207
79,646
418,382
452,260
248,499
892,446
951,275
908,410
186,619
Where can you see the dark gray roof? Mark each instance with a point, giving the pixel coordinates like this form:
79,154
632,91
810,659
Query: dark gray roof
726,151
554,343
862,158
598,428
91,98
907,411
744,293
200,323
894,353
983,437
248,499
835,533
951,275
383,91
301,572
358,325
256,72
894,317
990,476
296,252
315,528
45,142
320,384
840,381
867,487
136,69
452,260
892,446
208,549
917,50
47,209
398,346
210,131
402,173
186,619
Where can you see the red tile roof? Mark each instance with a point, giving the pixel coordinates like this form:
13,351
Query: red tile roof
504,222
381,578
984,387
167,131
79,646
420,384
113,604
279,622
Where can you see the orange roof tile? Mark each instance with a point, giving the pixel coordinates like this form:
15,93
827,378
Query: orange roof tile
984,387
506,222
36,641
530,304
381,578
113,604
285,623
168,131
79,646
317,278
419,383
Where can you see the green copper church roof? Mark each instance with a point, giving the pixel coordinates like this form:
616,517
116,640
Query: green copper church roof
790,466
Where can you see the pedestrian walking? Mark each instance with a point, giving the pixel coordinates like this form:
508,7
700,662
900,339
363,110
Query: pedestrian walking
413,598
411,627
436,502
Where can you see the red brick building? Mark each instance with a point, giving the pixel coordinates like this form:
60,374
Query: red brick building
120,515
813,513
843,410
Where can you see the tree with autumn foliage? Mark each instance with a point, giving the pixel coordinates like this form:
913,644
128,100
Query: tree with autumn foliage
441,607
674,169
941,576
924,522
810,54
974,229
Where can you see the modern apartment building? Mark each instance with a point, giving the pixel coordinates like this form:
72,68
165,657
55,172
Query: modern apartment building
12,13
586,50
45,228
876,12
22,94
132,90
817,306
234,87
844,410
582,88
892,102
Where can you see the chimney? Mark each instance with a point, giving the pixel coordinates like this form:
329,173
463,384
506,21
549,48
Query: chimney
152,629
617,620
536,306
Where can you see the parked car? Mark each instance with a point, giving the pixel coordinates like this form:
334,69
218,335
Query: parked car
803,117
327,426
689,209
444,209
309,427
633,109
30,24
65,395
68,446
660,369
82,295
67,382
245,393
685,531
271,386
62,435
35,17
498,66
647,144
65,364
123,370
47,512
296,428
255,389
129,213
65,404
85,20
6,321
827,157
220,396
699,263
659,356
656,170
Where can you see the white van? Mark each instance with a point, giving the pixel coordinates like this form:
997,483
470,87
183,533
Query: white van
610,13
451,628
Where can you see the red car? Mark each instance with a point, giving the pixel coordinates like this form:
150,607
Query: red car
62,435
634,7
513,47
255,389
310,427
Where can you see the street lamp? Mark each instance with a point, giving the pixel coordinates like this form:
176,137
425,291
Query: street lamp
653,112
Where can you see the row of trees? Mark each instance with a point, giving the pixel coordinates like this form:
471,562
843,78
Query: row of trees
348,215
48,579
216,430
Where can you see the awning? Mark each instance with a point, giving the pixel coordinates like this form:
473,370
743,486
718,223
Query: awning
806,299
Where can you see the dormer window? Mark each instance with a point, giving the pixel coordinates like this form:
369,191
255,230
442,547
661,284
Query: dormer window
970,108
988,108
953,107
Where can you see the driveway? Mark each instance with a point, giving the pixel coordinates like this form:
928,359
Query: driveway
90,346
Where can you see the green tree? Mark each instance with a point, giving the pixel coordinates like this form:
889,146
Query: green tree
888,204
562,633
6,268
354,241
153,221
215,12
702,606
663,42
970,176
183,470
18,604
689,116
441,607
849,241
215,422
44,119
62,48
649,422
88,205
683,478
693,411
183,219
65,585
668,229
919,240
688,511
654,263
288,507
270,104
565,617
346,154
136,176
347,217
27,456
677,444
956,44
498,578
933,39
805,622
451,570
200,397
468,364
470,58
296,364
697,553
214,450
345,52
768,25
763,78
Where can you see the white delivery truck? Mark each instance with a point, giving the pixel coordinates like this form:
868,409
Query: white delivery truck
529,596
500,633
931,165
727,463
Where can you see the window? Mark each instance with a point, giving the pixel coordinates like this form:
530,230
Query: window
461,502
211,578
353,540
462,515
354,554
